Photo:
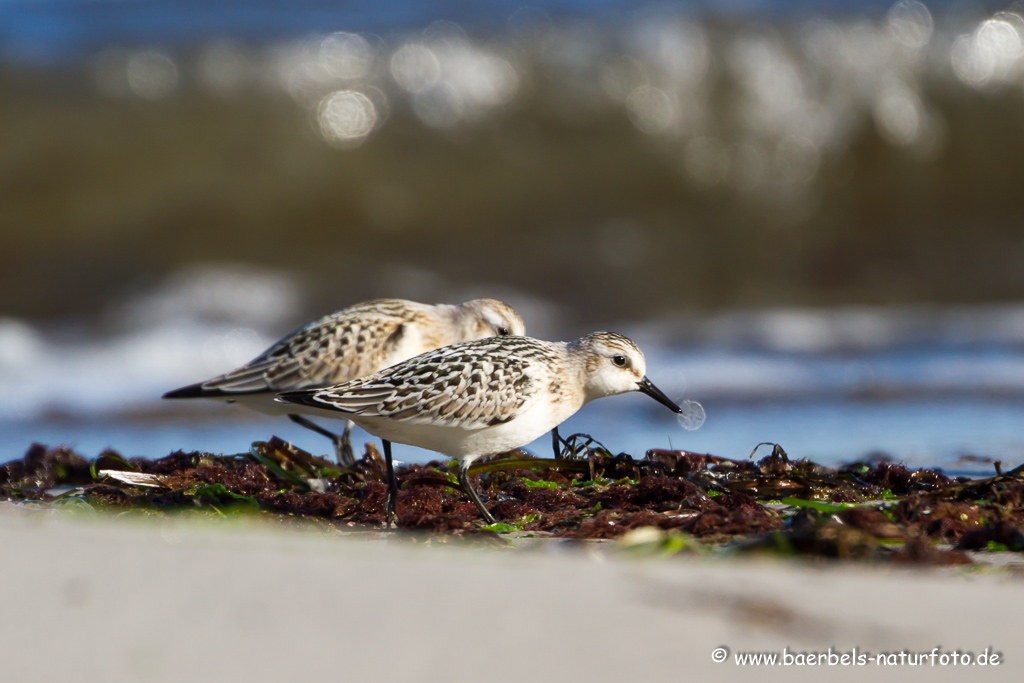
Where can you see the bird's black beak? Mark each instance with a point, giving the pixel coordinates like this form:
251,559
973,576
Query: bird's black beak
658,395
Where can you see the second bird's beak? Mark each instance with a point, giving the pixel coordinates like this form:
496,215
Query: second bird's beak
657,394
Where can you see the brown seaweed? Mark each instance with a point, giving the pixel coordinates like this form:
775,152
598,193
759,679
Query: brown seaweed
864,511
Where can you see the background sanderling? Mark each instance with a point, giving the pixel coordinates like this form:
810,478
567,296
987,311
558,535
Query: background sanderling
351,343
484,397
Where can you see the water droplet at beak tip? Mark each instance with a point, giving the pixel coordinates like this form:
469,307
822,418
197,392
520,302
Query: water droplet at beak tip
691,416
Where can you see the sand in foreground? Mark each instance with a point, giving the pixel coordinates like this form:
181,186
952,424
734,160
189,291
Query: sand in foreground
110,600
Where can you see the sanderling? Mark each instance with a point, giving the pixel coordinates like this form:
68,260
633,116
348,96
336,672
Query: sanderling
481,398
352,343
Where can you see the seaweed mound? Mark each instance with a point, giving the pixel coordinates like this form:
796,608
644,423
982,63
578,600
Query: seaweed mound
859,511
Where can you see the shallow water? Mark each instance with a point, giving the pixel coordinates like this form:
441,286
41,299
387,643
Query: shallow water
920,432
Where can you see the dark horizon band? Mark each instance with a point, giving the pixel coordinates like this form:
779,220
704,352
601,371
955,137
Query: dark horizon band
647,387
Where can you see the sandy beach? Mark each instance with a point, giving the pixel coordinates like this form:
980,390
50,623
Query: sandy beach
102,599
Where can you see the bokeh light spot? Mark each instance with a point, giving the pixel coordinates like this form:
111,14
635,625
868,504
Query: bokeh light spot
414,66
899,116
152,75
910,23
346,117
651,109
346,55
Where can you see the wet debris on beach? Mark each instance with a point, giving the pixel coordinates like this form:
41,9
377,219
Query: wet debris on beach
664,502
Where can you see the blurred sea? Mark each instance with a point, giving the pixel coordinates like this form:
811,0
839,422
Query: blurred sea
809,214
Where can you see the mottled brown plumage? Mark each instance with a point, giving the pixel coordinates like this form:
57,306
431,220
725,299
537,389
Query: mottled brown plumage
470,385
355,342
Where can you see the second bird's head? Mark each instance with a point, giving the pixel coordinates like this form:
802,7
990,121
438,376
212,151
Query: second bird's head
482,318
615,365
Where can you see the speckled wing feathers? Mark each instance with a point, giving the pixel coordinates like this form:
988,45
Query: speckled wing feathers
471,385
322,353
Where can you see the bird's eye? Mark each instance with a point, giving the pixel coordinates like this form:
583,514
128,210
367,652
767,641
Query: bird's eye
503,331
619,361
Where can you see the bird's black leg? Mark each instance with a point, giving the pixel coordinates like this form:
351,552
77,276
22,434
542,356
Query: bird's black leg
342,444
391,499
556,443
471,492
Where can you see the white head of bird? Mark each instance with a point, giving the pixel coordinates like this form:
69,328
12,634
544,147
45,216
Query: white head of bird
615,365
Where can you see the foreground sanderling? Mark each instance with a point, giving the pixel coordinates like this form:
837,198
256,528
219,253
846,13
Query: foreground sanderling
480,398
352,343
